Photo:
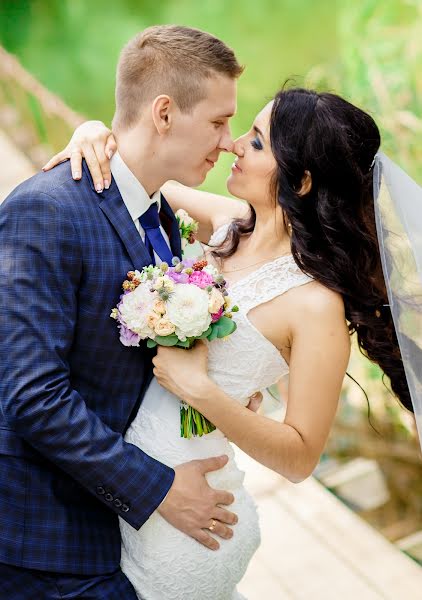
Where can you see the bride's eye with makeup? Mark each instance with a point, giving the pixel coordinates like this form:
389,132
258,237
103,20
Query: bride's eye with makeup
256,143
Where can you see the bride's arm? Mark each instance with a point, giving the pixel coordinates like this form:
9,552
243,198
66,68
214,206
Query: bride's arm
209,210
320,348
95,142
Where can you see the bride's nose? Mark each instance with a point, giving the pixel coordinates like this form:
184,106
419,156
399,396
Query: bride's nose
239,147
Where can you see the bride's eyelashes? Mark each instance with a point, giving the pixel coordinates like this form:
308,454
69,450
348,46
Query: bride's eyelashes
256,143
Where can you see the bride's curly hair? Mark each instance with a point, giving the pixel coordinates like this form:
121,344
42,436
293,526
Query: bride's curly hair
333,233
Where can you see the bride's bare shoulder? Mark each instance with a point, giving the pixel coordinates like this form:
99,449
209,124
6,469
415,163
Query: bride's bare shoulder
315,300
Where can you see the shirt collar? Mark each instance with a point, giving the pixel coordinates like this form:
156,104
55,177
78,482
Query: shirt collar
132,191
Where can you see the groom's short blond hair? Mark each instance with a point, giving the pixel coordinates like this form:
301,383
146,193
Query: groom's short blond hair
172,60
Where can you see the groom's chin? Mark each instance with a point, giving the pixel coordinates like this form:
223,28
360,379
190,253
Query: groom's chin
194,180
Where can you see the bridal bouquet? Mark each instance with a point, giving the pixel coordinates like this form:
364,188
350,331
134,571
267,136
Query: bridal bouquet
174,306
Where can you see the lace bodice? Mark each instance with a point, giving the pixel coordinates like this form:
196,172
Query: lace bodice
246,361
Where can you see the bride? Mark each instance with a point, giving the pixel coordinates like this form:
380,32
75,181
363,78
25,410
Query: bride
302,262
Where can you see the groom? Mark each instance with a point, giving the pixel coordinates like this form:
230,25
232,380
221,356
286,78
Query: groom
68,388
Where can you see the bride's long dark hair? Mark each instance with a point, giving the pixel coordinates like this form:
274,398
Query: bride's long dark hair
333,235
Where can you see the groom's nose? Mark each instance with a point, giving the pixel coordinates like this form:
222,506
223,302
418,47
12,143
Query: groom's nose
226,141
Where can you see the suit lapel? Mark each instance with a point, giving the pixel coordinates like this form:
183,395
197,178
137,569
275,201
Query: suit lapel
172,229
116,212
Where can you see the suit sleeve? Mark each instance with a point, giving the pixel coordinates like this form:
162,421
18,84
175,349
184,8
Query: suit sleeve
40,268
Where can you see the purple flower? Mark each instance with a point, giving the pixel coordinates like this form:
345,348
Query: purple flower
178,277
127,337
189,262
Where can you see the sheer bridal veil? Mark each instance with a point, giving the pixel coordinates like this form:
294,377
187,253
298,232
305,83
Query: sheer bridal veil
398,216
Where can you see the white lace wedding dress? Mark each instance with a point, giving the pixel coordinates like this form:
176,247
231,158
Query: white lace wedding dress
161,562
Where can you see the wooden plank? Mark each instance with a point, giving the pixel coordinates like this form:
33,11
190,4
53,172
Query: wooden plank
303,565
316,548
260,582
356,543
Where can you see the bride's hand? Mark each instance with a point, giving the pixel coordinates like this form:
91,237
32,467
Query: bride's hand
95,142
185,374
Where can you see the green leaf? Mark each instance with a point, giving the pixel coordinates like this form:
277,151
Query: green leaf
205,334
167,340
151,343
222,328
214,334
185,344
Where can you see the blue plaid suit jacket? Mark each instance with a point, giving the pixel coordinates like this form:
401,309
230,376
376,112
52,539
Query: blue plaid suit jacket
68,388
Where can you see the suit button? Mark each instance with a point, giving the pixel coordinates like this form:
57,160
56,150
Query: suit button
125,508
100,490
109,497
118,503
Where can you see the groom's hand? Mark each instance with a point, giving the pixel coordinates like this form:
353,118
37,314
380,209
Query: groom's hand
192,506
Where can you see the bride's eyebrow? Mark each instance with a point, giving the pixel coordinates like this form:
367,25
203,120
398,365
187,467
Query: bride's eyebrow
258,131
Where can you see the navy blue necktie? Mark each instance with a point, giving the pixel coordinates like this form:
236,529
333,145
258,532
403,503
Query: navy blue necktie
154,239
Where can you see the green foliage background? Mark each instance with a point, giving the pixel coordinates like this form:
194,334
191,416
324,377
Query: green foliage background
369,51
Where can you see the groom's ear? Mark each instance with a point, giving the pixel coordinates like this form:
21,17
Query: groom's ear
161,113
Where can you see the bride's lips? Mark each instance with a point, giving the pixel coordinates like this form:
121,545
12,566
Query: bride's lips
236,168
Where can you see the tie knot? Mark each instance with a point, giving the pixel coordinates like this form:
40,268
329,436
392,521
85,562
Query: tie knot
150,219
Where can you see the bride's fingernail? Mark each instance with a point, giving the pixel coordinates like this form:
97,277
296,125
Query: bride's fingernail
77,176
106,184
99,187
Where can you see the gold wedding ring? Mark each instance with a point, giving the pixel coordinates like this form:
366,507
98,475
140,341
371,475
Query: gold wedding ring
213,524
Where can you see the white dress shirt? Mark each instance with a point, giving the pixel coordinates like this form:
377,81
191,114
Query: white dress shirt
134,196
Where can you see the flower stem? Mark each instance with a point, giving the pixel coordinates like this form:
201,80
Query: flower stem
193,423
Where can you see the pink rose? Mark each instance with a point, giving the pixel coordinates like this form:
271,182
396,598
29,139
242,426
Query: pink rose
201,279
216,316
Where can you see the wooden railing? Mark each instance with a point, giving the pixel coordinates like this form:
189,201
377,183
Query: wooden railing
37,121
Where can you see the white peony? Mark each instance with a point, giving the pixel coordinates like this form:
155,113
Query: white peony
187,309
135,308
